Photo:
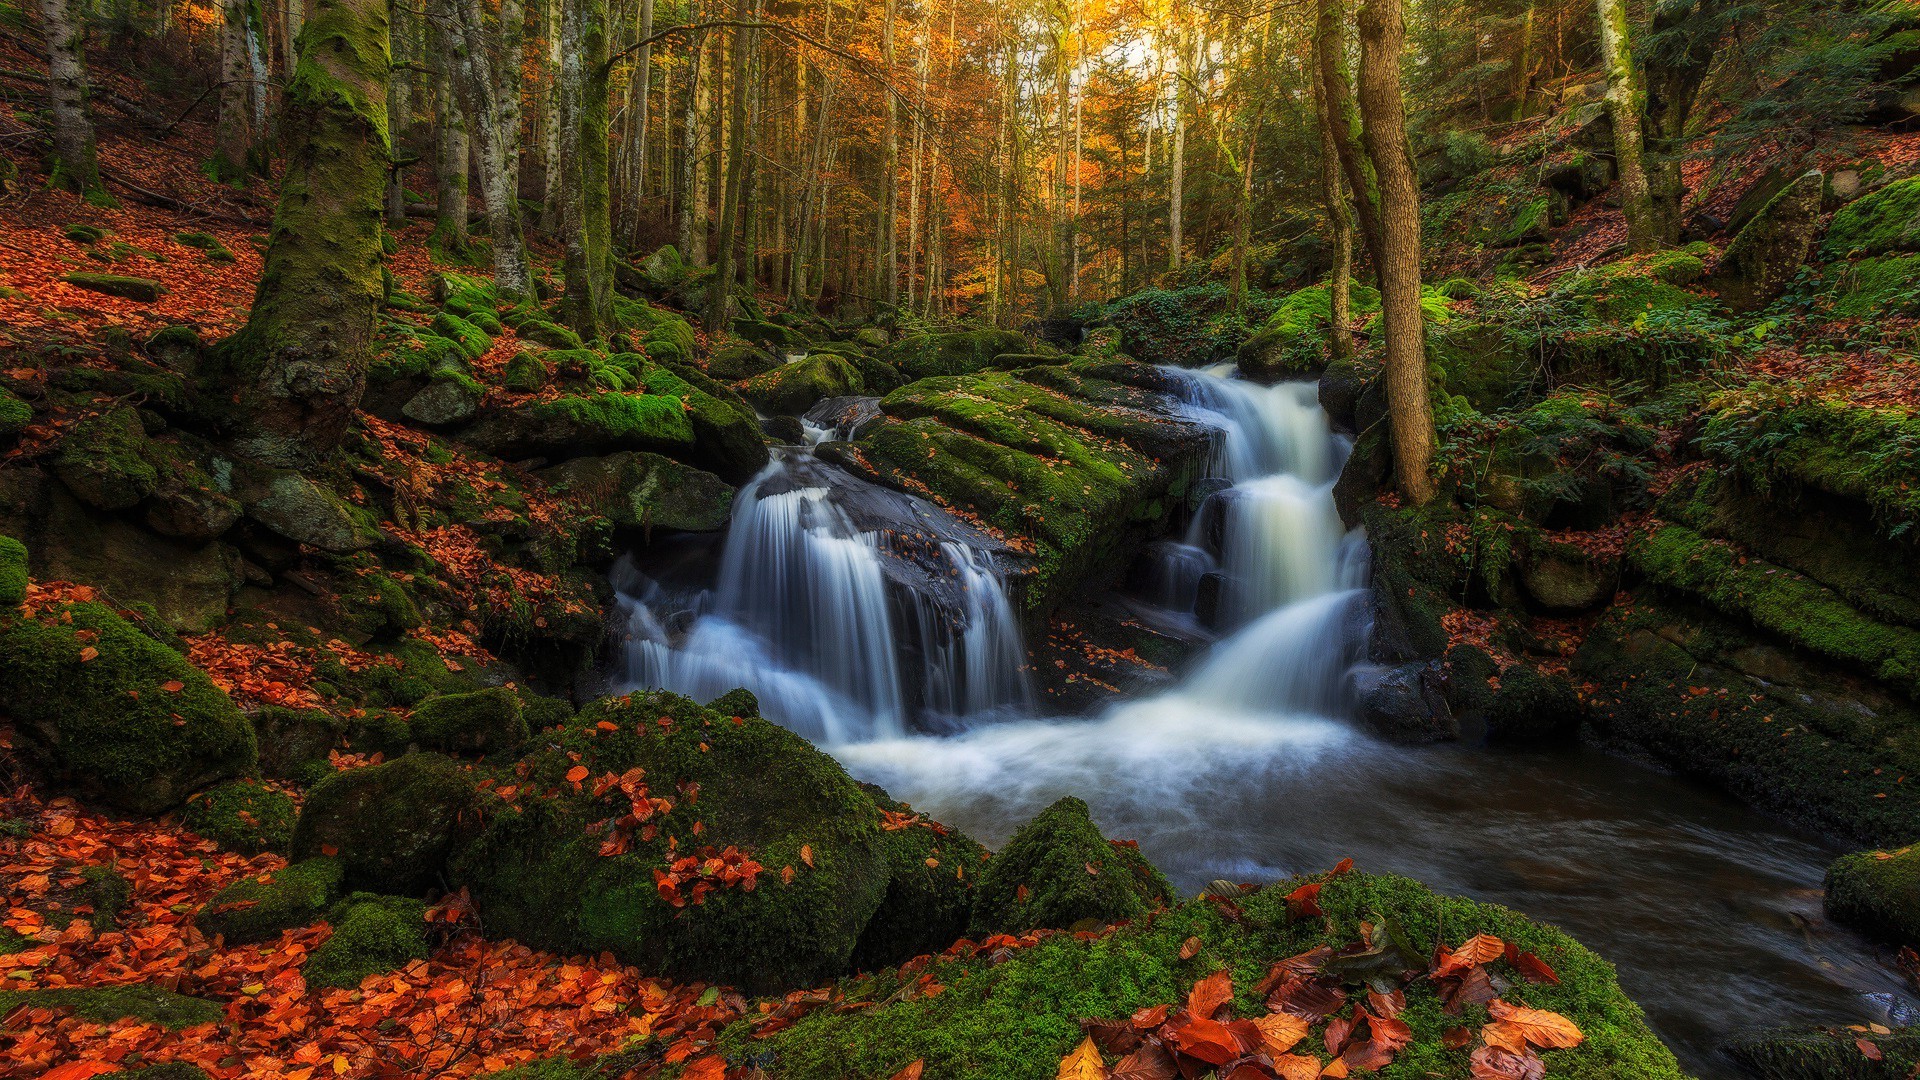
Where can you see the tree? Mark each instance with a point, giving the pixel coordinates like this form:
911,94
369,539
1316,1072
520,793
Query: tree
1624,105
1397,258
586,203
76,165
452,154
720,289
240,57
1334,198
287,383
486,76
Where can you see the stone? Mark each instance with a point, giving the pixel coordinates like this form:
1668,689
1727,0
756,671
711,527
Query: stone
392,826
1404,703
1565,580
104,460
143,290
638,490
791,389
445,402
1058,872
1766,255
302,511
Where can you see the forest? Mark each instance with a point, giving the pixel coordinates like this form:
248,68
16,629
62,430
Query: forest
959,539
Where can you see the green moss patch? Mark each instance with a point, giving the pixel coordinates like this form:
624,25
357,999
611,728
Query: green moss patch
392,826
371,934
1886,220
244,816
258,908
482,722
1879,892
104,1005
1059,872
145,290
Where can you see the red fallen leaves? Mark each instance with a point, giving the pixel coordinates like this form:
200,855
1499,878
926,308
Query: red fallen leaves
1363,1031
642,806
688,879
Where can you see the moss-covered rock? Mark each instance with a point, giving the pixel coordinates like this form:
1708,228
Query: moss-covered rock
550,334
793,388
1825,1054
392,826
568,427
293,742
295,507
258,908
526,373
1886,220
1012,1015
172,1070
538,873
1774,440
108,892
243,815
144,290
482,722
105,462
216,250
371,934
931,871
451,398
1763,259
106,1004
1293,342
104,706
771,335
15,414
473,341
645,491
961,353
726,434
1879,892
1059,872
13,572
741,360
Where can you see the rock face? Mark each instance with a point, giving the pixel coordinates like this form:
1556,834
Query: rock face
482,722
567,427
110,709
646,491
1771,249
1405,703
445,402
1058,871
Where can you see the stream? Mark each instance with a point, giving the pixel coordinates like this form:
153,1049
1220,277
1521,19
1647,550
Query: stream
878,627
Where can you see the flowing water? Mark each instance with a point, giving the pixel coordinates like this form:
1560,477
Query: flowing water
866,619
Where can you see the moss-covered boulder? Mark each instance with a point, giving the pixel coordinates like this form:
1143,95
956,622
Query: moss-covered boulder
482,722
1059,872
960,353
294,743
391,826
779,338
451,398
793,388
1879,892
259,908
143,290
306,512
13,572
473,341
1013,1014
242,815
1293,342
645,491
931,873
371,934
104,706
736,853
171,1070
573,426
526,373
1766,255
15,414
741,360
1885,221
726,434
542,331
1826,1054
107,1004
104,460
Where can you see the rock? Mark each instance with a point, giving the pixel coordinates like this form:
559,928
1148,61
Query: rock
258,908
302,511
779,338
1563,579
15,415
569,427
1413,577
1341,385
785,430
393,826
445,402
371,934
1766,255
1531,706
104,460
727,440
645,491
931,871
1824,1054
243,816
144,290
793,388
473,341
293,742
104,1005
189,505
1406,703
1877,892
538,873
482,722
550,334
13,572
1058,872
870,337
101,705
960,353
741,360
1885,221
526,373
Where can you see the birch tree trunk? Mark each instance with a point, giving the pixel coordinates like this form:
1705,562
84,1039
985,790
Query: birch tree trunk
1624,105
76,166
1176,201
449,242
288,382
690,189
1409,407
642,99
549,93
490,101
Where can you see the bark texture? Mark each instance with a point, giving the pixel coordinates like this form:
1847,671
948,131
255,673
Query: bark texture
75,165
1625,103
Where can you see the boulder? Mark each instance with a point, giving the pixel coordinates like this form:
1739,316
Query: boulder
1058,872
1766,255
771,892
645,491
791,389
294,507
526,373
741,360
482,722
931,872
960,353
449,400
392,826
258,908
1404,703
294,743
188,504
371,934
104,706
1880,223
104,460
143,290
1563,579
780,339
1825,1054
13,572
568,427
1877,892
245,816
726,432
15,414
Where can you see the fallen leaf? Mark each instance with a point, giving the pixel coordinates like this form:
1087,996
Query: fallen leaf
1209,994
806,855
1540,1027
1280,1032
1190,948
1083,1063
912,1070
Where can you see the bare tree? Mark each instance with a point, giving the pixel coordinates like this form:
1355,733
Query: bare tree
76,165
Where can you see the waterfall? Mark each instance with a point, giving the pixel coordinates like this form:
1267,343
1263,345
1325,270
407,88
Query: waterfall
832,607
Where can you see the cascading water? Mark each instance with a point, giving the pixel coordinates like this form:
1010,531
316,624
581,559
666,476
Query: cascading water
846,629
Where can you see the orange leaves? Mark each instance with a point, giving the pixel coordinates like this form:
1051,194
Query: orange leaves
1547,1030
1190,948
911,1071
806,855
1210,993
1083,1063
575,775
78,1070
1304,902
1279,1032
88,653
688,879
1479,949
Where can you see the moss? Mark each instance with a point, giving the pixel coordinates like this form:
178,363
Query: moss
144,290
243,816
81,233
172,1070
1013,1015
1772,439
1629,287
741,361
482,722
207,242
1058,871
108,893
772,335
526,373
464,294
392,826
104,1005
13,572
104,705
292,741
931,871
1873,287
15,414
1786,603
258,908
793,388
106,460
371,934
1885,221
1878,892
537,874
960,353
550,334
473,341
739,702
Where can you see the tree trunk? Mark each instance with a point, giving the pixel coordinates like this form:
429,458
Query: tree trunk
720,290
399,113
586,206
642,98
1409,409
1689,34
1339,225
289,381
691,192
1624,104
233,133
75,164
1177,198
552,177
885,259
490,101
452,158
1343,120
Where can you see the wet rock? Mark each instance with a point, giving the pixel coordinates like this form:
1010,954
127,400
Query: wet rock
931,870
294,741
104,460
965,352
791,389
1766,255
392,826
188,505
568,427
302,511
785,430
1406,703
1824,1054
1878,892
1057,871
481,722
258,908
645,491
1563,579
